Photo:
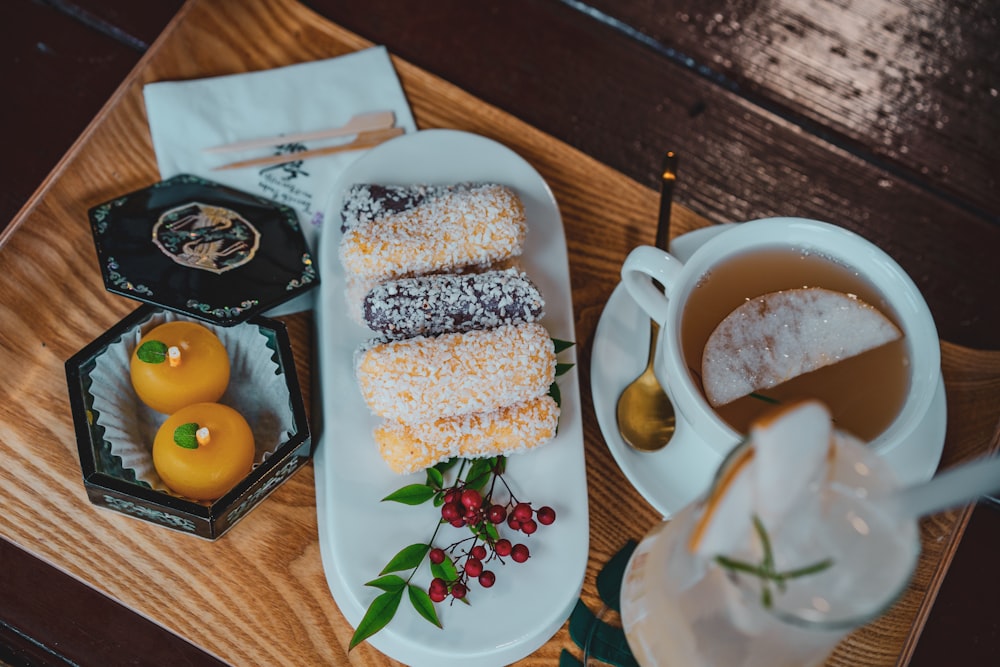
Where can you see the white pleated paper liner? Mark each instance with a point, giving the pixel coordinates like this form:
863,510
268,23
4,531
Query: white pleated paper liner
257,390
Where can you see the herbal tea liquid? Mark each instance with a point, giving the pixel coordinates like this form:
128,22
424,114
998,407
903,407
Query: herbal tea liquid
864,393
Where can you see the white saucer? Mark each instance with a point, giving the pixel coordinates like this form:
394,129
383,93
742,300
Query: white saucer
674,476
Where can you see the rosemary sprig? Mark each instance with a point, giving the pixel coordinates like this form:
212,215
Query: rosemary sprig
766,570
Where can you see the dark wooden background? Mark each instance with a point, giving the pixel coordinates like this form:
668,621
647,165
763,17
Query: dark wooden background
879,115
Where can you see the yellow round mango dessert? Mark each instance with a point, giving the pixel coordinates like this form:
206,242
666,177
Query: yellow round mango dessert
203,450
177,364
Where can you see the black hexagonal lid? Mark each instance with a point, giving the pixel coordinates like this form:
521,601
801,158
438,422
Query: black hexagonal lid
201,248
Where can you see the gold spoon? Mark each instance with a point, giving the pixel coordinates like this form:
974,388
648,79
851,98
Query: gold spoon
645,415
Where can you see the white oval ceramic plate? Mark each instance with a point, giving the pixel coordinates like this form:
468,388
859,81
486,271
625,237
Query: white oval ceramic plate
677,474
358,533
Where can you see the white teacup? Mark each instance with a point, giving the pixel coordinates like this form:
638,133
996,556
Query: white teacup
901,301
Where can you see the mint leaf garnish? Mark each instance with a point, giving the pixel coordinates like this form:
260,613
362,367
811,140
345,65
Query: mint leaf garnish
185,435
152,352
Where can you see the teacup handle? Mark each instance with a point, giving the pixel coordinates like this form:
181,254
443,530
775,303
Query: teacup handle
643,263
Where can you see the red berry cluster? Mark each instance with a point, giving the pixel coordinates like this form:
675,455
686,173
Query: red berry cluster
467,507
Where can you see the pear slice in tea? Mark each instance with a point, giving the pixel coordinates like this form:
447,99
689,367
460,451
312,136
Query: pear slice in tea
778,336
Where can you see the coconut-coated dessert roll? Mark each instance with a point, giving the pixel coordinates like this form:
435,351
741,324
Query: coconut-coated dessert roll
365,202
474,227
443,303
357,288
418,379
514,428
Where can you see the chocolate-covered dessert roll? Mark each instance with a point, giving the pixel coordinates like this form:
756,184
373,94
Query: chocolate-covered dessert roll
365,202
442,303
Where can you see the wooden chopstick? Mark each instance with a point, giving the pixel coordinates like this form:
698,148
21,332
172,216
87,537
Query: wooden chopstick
363,140
374,120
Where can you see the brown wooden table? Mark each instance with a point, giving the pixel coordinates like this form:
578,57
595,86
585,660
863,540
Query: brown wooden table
881,117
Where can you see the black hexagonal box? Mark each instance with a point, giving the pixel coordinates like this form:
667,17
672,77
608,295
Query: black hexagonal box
204,249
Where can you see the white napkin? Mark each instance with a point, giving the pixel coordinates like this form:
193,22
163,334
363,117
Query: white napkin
186,117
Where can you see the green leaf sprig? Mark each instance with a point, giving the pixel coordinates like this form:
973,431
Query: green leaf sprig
383,608
766,570
561,369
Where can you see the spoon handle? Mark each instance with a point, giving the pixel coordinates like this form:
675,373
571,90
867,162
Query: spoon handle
654,331
668,177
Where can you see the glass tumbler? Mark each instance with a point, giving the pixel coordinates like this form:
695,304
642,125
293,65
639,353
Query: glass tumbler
681,609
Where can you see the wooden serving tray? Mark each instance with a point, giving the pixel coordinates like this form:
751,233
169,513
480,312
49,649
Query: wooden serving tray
259,595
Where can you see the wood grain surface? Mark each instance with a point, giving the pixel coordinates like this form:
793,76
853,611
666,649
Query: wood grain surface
909,84
755,96
879,116
64,61
259,595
